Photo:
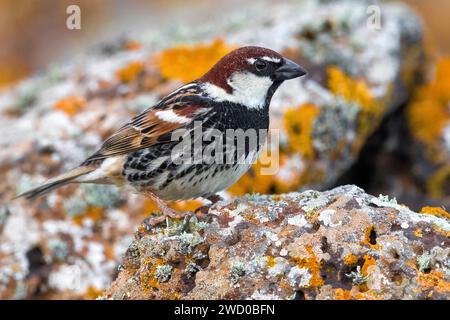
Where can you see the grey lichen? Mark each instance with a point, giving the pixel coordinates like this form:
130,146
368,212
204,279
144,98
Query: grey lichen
59,249
102,196
424,262
357,277
74,206
163,272
238,270
187,241
191,269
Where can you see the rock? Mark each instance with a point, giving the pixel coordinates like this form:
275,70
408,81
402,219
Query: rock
428,121
56,118
338,244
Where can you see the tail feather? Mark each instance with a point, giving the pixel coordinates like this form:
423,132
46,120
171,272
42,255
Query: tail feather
59,181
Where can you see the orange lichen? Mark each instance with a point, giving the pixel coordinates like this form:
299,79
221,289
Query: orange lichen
147,277
270,261
93,213
93,293
350,259
130,72
71,105
418,233
132,45
187,63
313,265
436,211
341,294
356,91
428,113
433,281
368,262
437,182
299,124
370,238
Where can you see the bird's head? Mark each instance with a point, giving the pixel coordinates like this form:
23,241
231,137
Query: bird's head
249,76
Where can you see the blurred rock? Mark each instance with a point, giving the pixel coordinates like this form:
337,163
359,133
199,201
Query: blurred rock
428,118
68,244
338,244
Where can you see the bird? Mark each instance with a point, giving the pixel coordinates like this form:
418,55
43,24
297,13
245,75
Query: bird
150,153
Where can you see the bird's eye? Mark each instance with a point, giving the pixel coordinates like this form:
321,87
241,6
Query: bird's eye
260,65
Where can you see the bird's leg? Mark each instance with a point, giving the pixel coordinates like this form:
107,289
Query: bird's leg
165,209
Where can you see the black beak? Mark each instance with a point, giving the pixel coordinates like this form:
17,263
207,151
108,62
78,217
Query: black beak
289,70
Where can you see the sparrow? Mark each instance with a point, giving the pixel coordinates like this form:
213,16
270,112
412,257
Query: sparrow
145,153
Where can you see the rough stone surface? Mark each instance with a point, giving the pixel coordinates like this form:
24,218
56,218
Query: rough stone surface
68,245
338,244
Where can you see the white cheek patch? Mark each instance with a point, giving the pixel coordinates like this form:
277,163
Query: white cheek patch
171,116
248,89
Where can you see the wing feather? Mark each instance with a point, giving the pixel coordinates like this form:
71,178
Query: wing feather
147,128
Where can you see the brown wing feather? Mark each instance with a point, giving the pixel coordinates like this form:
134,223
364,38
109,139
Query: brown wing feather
145,129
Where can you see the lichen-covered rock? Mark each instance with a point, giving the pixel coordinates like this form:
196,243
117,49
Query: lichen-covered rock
53,120
338,244
428,118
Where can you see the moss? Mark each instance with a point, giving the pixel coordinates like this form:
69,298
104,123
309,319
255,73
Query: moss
71,105
187,63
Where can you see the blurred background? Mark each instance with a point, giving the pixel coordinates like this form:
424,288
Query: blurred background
32,33
374,111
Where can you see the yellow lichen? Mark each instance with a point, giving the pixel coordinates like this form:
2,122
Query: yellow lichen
350,259
437,182
93,293
299,126
71,105
428,113
147,276
93,213
436,211
187,63
341,294
270,261
418,233
130,72
356,91
433,281
370,238
313,265
368,262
